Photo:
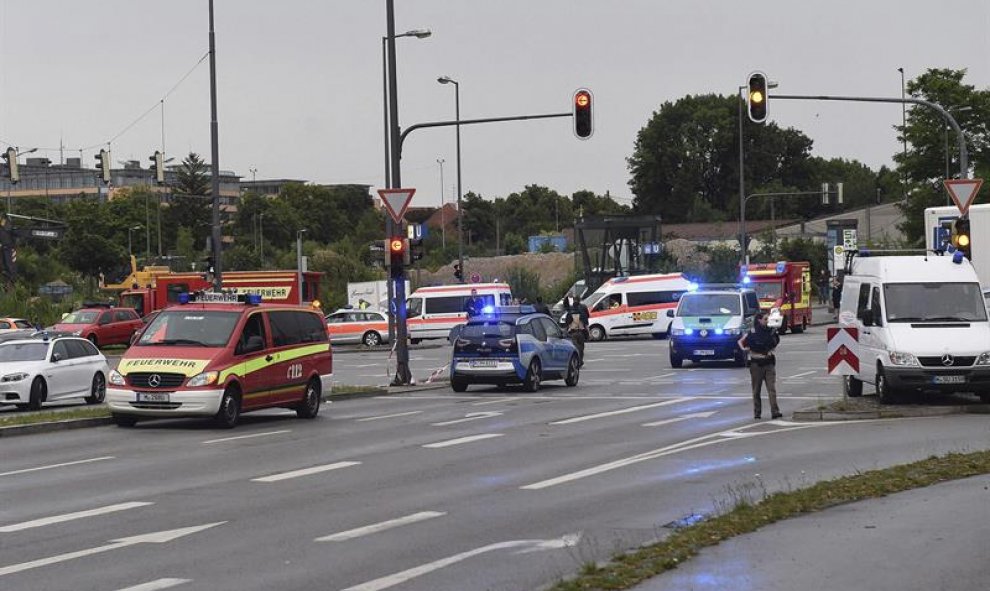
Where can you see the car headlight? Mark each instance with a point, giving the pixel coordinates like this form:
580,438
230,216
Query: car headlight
903,358
204,379
116,379
983,359
677,332
14,377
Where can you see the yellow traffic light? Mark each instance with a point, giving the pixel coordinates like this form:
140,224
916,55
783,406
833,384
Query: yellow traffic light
756,97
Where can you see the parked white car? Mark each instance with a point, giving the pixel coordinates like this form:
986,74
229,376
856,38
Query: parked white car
38,370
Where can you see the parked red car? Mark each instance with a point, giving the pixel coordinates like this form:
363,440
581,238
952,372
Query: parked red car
102,326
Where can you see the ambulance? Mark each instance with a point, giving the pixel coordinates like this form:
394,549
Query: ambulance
635,305
217,355
784,289
431,312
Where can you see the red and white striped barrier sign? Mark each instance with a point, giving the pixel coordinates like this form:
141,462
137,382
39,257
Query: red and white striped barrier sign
843,351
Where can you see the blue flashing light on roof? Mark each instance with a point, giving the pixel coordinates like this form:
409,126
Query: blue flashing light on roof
692,286
957,257
488,310
184,298
781,266
253,299
746,279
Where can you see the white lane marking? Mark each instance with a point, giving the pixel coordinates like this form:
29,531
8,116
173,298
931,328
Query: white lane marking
160,537
409,574
617,412
697,415
801,375
265,434
497,400
694,443
471,416
305,472
62,465
71,516
461,440
391,416
380,527
158,584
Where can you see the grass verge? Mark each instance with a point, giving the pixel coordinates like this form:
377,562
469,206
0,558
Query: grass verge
51,416
627,570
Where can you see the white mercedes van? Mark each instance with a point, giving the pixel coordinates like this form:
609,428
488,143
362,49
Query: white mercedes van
922,325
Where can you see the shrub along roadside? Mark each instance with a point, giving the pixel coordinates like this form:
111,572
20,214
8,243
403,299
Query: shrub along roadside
627,570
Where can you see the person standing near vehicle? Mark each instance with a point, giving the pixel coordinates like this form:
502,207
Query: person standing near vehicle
474,304
577,324
836,294
823,287
540,307
760,343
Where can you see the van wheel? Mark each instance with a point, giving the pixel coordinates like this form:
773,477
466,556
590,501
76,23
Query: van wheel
458,384
533,377
39,391
783,327
371,339
596,333
124,420
676,361
98,391
885,393
415,341
573,371
230,409
310,405
852,386
800,328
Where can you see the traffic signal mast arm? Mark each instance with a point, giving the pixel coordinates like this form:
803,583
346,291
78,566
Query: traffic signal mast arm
410,129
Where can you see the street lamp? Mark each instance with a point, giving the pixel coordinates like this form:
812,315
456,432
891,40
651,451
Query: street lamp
945,127
418,34
460,213
443,220
903,133
130,251
299,260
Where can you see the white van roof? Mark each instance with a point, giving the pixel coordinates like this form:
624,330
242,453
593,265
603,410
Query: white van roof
461,289
654,280
915,269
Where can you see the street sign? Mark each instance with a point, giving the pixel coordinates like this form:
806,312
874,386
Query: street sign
475,278
838,249
396,201
843,351
416,231
963,192
849,240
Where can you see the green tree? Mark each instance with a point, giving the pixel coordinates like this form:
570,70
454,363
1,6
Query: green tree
192,177
185,247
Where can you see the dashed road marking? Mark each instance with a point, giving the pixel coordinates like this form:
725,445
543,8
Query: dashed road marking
72,516
380,527
305,472
460,440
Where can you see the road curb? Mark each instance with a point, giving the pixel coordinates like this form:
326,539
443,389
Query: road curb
340,350
892,412
54,426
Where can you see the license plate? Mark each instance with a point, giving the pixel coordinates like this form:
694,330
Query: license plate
704,352
949,380
484,363
152,396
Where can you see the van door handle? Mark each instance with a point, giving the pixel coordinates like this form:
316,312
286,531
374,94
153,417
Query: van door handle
268,358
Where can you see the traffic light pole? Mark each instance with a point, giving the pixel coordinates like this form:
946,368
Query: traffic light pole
963,154
215,245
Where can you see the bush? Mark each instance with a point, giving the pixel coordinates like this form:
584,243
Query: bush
524,283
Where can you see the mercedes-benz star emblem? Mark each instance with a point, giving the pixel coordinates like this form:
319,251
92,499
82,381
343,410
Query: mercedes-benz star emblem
947,360
154,380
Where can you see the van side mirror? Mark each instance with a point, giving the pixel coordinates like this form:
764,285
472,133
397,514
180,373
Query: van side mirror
254,344
670,313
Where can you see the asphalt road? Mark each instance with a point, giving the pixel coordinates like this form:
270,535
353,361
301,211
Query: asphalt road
493,490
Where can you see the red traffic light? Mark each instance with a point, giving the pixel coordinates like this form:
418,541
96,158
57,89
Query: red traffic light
583,119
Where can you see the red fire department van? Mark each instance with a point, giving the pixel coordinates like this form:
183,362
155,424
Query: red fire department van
783,287
275,287
220,356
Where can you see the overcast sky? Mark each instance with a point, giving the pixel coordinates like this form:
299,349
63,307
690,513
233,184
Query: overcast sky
300,81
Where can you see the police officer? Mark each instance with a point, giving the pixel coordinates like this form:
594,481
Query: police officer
760,343
474,304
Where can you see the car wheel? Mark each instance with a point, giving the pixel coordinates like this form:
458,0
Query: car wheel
596,333
230,409
310,405
852,386
415,341
92,338
98,391
371,339
885,393
124,420
39,391
573,371
801,328
676,361
783,327
458,384
533,376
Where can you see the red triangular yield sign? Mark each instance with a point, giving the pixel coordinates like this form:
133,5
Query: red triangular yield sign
963,192
396,201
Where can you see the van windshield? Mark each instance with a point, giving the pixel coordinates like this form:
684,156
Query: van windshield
934,302
190,328
767,290
709,305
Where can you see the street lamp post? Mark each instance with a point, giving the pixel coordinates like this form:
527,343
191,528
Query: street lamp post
443,218
261,238
460,213
903,133
299,261
130,250
945,128
215,235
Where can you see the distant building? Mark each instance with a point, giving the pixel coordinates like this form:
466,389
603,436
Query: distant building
268,187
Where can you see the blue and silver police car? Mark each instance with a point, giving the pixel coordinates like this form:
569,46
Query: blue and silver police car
513,345
708,323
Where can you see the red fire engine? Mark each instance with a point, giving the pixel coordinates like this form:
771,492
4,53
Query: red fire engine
784,287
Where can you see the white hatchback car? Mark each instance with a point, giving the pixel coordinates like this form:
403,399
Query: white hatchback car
38,370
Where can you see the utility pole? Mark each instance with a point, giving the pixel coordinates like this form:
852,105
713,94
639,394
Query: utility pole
215,242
